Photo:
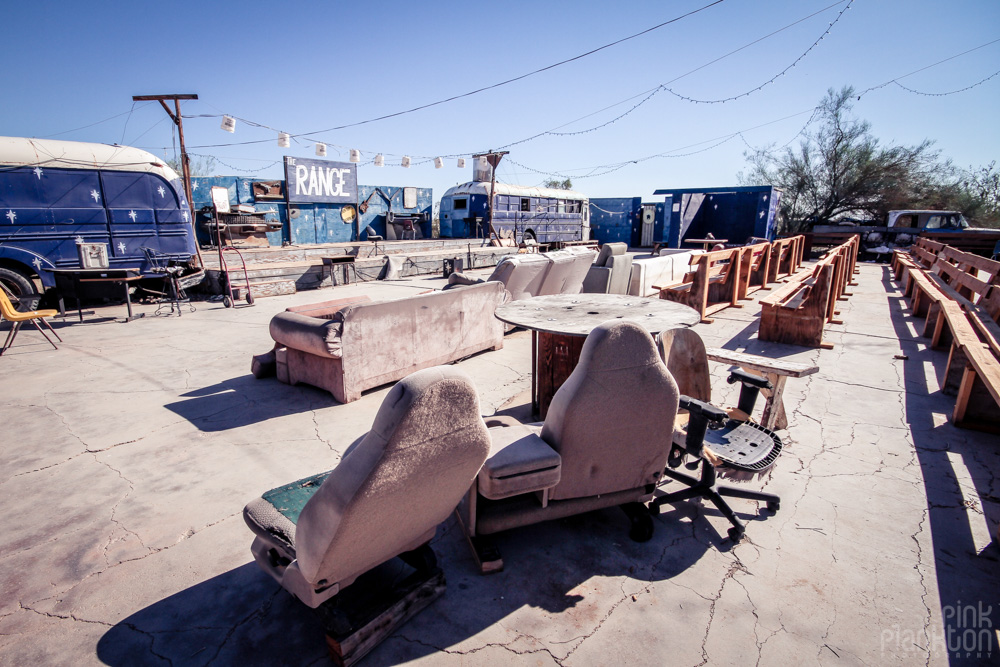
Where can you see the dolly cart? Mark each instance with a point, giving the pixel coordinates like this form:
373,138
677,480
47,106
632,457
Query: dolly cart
220,204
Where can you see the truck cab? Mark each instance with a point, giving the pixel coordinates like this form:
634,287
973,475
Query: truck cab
942,221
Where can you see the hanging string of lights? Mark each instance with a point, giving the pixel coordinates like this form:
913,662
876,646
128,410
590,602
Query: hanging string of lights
927,67
774,78
950,92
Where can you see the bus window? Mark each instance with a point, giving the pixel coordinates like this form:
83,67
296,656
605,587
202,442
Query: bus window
526,204
461,204
561,206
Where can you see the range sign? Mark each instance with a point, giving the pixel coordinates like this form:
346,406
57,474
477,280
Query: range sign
321,181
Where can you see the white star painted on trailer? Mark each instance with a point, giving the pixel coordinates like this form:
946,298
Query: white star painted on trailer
96,195
38,263
78,240
11,216
38,172
185,216
761,214
121,248
132,215
163,193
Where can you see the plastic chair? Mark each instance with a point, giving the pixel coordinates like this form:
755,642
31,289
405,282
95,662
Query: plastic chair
17,318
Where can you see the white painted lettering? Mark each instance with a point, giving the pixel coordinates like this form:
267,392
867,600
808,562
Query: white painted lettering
328,175
301,173
341,174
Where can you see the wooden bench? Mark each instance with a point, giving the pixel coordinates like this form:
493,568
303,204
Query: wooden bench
777,372
711,284
962,310
755,266
797,312
786,257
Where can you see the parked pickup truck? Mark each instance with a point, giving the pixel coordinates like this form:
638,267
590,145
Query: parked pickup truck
942,221
902,228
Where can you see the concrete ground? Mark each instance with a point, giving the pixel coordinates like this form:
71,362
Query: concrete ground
128,454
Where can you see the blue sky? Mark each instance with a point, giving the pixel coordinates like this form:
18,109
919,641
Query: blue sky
307,66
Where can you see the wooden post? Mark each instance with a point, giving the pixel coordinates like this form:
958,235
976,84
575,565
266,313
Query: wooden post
175,116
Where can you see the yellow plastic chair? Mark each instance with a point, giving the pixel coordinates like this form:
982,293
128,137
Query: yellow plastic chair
16,319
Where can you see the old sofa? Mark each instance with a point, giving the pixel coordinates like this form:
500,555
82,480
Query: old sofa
357,346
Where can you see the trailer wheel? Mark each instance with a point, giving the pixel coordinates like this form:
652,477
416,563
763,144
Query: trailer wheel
249,299
19,289
227,302
528,236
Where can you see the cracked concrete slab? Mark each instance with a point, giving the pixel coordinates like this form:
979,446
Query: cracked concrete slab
122,540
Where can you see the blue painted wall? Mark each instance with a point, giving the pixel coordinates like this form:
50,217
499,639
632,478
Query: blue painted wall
377,207
612,219
734,214
309,223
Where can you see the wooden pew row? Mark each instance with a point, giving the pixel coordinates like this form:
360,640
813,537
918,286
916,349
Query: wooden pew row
797,312
722,278
712,283
962,312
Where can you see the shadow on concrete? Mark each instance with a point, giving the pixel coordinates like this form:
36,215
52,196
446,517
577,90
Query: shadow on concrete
570,567
245,400
968,583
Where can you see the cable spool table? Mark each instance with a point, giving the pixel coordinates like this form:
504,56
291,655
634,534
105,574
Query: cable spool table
559,324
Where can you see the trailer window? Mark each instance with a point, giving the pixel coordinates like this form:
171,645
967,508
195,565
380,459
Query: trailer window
935,222
525,204
461,204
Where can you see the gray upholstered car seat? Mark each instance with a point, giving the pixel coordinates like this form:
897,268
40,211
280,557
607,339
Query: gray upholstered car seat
387,495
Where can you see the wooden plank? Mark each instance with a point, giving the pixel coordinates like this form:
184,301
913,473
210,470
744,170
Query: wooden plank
762,364
370,620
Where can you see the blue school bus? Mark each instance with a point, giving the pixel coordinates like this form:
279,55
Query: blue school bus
543,214
56,195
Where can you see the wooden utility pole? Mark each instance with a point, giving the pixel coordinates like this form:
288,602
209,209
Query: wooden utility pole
175,115
493,158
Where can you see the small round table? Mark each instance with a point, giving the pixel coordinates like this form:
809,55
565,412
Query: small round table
559,324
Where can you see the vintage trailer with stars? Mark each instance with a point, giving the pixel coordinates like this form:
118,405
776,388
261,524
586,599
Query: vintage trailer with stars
56,195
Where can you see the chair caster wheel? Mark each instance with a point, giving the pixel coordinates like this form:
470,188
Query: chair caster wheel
736,534
642,529
773,505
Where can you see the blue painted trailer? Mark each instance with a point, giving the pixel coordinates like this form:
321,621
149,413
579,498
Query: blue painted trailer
55,195
734,213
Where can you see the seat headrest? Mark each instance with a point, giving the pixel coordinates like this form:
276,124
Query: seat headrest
609,250
618,344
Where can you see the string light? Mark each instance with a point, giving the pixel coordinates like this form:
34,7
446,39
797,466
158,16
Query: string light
228,124
320,149
773,78
283,140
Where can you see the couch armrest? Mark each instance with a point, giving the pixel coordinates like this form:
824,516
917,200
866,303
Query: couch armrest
307,334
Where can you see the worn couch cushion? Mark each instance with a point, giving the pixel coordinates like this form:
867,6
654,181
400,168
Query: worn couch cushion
665,269
519,462
567,270
308,334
